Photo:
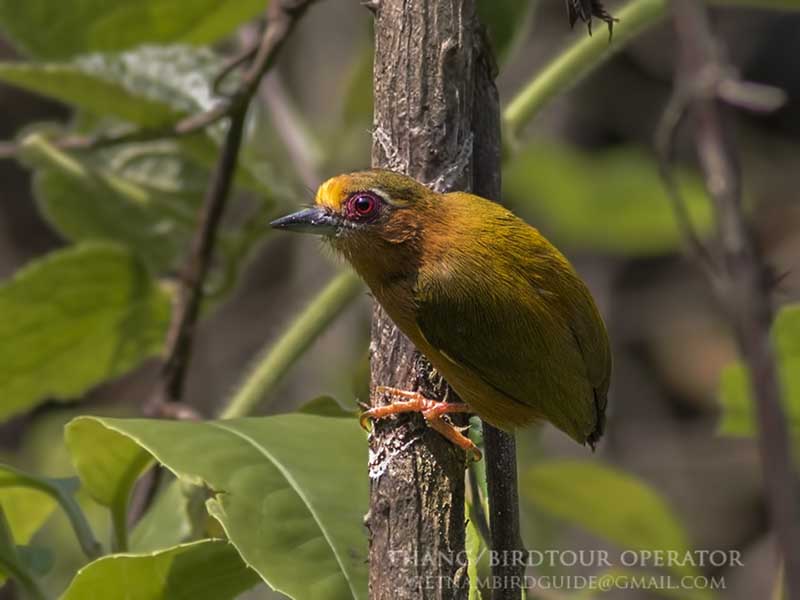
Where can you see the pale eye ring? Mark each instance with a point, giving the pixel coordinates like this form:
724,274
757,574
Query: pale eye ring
363,205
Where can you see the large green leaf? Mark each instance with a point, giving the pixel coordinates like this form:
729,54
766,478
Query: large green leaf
607,503
151,86
612,201
73,319
204,570
738,414
289,490
45,30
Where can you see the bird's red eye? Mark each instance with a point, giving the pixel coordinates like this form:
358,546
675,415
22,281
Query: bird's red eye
362,205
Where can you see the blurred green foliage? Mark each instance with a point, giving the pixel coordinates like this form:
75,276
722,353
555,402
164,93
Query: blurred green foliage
288,491
610,201
607,502
738,409
96,25
150,86
73,320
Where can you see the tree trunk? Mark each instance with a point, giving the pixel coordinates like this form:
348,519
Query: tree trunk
436,119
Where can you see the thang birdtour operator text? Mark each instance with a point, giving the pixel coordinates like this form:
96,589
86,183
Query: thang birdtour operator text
582,558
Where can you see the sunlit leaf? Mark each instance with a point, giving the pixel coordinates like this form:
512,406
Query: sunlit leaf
79,26
289,490
73,319
26,508
151,86
612,201
204,570
606,502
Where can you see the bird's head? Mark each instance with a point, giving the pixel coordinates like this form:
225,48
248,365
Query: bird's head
375,218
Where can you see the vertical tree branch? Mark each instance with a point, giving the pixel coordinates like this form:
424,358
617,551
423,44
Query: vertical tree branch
424,99
740,277
437,118
501,456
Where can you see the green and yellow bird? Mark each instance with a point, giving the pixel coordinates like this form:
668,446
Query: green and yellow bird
493,305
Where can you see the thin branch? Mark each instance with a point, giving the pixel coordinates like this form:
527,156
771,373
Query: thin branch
281,18
741,278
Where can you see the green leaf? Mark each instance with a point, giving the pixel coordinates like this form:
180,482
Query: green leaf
88,202
289,490
60,491
79,26
108,476
13,562
325,406
738,409
611,201
474,549
26,508
507,22
204,570
73,319
150,86
607,503
167,521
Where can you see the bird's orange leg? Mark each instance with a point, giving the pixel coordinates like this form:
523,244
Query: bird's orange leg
431,410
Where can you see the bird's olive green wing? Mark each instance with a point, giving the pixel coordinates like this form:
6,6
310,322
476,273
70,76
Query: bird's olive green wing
542,346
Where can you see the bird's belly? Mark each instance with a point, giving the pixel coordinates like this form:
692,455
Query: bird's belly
489,403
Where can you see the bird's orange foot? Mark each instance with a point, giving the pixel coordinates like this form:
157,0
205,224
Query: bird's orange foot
431,410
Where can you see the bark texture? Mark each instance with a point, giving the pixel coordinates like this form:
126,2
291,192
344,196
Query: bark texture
436,119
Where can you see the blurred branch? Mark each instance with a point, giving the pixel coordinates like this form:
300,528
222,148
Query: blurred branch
477,514
296,339
738,274
303,150
588,53
582,57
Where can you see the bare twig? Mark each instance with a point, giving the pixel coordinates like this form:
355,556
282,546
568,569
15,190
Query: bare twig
501,454
281,18
740,278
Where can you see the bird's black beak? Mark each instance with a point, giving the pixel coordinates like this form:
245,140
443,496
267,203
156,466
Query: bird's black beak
311,220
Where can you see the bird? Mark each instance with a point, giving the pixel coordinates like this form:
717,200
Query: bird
496,308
